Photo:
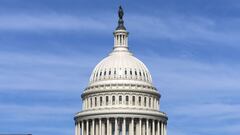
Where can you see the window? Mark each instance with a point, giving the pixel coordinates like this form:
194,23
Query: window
107,100
150,102
100,73
90,102
140,73
133,100
113,100
100,101
125,72
139,100
145,101
109,73
95,101
105,73
135,72
127,100
131,72
120,99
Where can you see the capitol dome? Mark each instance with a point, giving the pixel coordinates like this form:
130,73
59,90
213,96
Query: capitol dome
120,98
120,67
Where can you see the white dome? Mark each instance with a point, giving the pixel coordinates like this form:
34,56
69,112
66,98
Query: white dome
120,67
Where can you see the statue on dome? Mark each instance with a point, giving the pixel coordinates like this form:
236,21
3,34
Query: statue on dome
120,12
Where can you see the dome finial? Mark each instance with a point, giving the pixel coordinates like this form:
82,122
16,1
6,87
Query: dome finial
120,21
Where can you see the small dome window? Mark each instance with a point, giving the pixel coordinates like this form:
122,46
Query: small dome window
95,101
120,99
105,72
150,102
139,100
133,100
145,101
90,102
127,100
107,100
100,101
113,100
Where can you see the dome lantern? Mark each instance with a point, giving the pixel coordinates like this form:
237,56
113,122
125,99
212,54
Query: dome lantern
120,34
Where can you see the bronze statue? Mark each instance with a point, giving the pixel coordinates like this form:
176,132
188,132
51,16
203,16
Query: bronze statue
120,12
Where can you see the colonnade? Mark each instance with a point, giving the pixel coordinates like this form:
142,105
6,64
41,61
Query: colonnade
120,126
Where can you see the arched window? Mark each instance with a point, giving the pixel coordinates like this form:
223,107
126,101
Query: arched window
139,100
127,100
150,102
145,101
120,99
90,102
105,72
109,73
107,100
113,100
100,101
133,100
95,101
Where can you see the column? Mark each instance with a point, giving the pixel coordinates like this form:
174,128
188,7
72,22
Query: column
97,128
147,127
124,127
103,128
116,127
140,126
158,128
161,128
153,127
165,129
137,128
79,128
108,127
100,126
93,127
87,132
76,128
82,127
144,128
132,127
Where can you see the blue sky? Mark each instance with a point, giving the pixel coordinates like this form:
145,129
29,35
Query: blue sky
48,49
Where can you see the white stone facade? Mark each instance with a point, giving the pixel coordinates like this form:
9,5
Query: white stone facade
120,98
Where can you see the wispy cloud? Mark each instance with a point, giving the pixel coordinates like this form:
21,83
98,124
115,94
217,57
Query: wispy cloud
36,71
51,21
23,113
186,28
173,26
193,75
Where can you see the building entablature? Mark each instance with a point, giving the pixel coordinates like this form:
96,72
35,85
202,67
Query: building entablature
121,113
